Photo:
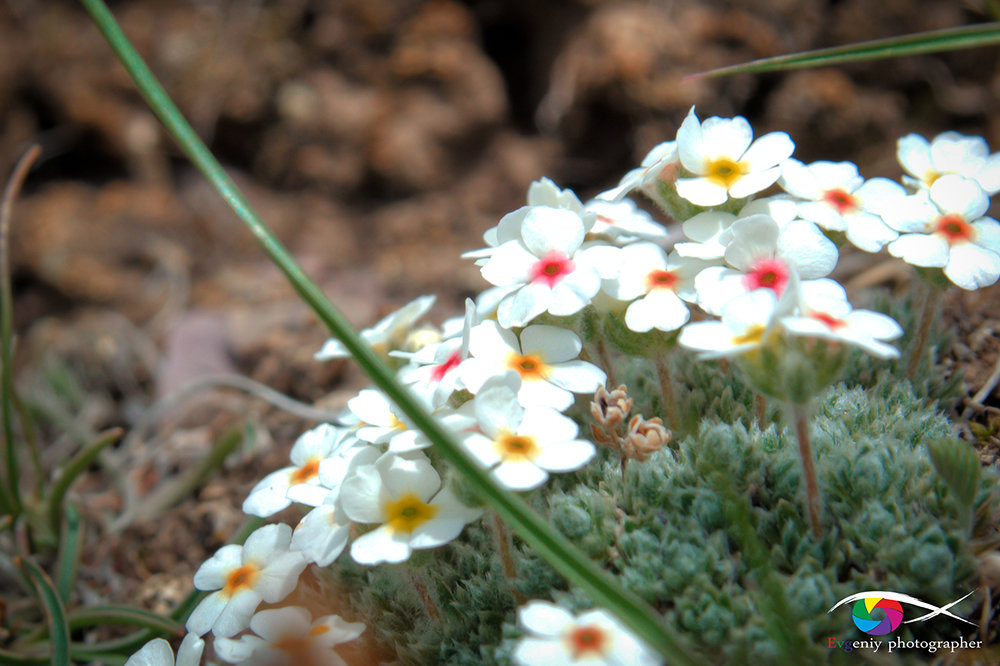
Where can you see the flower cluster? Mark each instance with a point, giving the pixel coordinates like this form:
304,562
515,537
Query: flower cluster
741,276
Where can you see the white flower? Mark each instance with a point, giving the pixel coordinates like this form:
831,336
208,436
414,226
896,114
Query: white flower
949,231
545,357
839,199
762,256
286,637
383,423
521,445
726,161
747,322
658,283
388,334
404,496
322,533
624,222
948,153
555,636
826,313
660,165
270,495
546,269
712,231
262,569
157,652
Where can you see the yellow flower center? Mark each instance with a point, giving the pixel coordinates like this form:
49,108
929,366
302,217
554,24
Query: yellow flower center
516,448
407,513
726,172
241,578
753,335
531,367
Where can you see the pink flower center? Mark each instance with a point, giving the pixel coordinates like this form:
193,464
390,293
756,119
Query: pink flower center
841,200
767,274
830,321
954,228
450,364
551,268
661,280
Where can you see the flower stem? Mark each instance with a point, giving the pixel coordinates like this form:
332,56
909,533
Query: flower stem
760,409
800,414
931,298
430,606
605,358
667,391
505,548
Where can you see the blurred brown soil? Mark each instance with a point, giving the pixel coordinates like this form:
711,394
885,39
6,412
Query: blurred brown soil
378,138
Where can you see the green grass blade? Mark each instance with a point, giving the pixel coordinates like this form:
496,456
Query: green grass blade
70,542
535,531
126,616
948,39
10,495
55,613
10,658
76,466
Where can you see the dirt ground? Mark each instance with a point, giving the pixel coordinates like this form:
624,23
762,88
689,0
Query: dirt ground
379,139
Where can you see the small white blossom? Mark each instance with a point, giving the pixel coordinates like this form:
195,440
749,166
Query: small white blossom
262,569
521,445
547,269
712,231
826,313
623,222
405,497
545,357
763,256
837,198
747,322
555,636
949,230
270,495
657,284
286,637
725,160
157,652
949,153
660,165
388,334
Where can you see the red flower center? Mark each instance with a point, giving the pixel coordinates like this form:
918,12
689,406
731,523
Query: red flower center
450,364
830,321
954,228
661,280
767,274
551,268
841,200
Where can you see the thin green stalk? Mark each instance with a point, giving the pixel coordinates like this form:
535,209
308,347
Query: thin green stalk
552,546
814,505
931,298
10,495
74,468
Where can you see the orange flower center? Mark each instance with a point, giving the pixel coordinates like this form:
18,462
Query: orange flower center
587,642
241,578
954,228
830,321
530,366
308,471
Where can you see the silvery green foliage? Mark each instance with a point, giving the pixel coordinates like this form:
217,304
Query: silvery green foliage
711,532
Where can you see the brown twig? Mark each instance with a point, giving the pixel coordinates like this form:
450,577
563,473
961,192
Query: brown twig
815,509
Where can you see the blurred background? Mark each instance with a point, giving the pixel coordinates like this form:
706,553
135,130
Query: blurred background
379,139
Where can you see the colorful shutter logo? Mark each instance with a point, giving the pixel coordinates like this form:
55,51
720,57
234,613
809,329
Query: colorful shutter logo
893,615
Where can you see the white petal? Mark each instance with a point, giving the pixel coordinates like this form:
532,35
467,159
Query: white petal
265,542
661,309
690,146
156,652
726,137
955,194
914,154
754,182
361,495
205,614
565,456
972,267
804,246
577,376
920,250
189,651
553,343
381,545
235,616
552,229
702,191
519,475
768,151
279,577
544,618
212,574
